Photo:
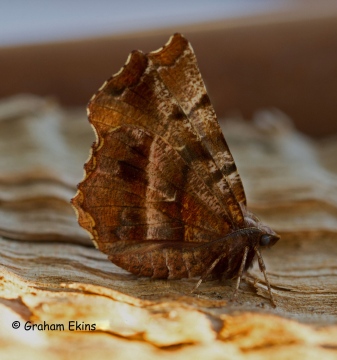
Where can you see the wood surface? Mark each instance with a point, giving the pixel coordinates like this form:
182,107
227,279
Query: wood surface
51,274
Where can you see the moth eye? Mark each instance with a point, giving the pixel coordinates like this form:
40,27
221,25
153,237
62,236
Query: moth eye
268,240
265,240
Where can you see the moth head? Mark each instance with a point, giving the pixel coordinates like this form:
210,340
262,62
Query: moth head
268,236
269,239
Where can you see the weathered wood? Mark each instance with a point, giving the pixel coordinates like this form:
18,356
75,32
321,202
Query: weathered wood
51,274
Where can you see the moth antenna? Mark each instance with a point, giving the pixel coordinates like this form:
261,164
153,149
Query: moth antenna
242,266
206,273
263,269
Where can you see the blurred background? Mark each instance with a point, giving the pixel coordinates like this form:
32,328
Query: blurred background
37,21
253,54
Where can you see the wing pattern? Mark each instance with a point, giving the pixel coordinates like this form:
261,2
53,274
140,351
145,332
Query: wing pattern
160,171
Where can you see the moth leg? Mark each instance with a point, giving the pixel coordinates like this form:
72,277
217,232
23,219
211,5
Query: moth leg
207,272
242,266
263,269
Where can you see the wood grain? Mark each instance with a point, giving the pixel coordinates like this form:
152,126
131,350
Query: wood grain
51,273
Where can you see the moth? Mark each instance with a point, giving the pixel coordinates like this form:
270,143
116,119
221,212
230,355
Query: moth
161,195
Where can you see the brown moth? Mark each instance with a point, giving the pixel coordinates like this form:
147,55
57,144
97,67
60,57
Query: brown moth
161,194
